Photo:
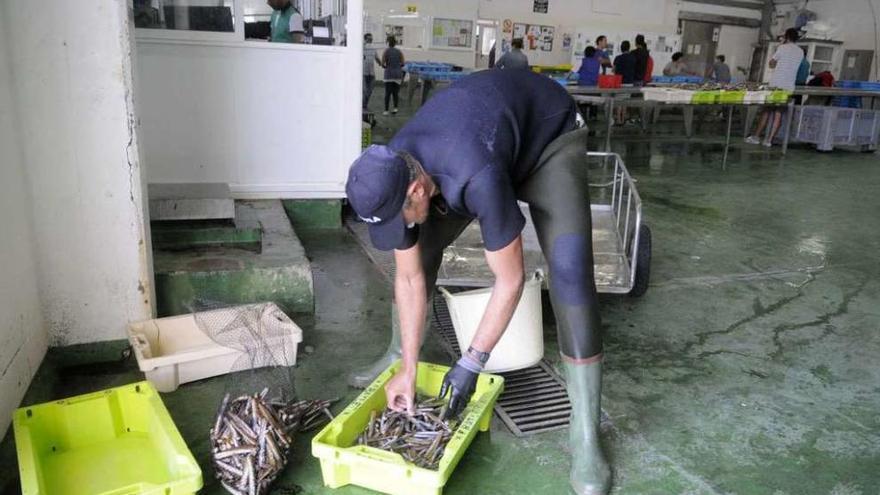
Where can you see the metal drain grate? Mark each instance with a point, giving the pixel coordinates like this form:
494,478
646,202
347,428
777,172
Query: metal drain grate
534,399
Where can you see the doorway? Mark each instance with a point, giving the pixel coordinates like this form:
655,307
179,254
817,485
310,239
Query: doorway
699,42
857,65
487,34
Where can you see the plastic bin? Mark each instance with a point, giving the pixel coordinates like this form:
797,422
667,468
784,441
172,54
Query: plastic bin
829,126
705,97
522,344
731,97
755,96
610,80
779,96
119,441
174,350
343,462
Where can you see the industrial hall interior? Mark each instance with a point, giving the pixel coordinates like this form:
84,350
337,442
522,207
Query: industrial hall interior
425,247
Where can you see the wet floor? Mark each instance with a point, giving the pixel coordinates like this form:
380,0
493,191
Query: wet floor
749,367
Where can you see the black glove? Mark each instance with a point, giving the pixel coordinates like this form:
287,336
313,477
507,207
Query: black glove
461,382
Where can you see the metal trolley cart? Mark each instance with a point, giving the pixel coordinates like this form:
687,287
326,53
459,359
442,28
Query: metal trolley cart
621,241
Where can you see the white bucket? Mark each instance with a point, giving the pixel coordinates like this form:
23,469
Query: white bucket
522,344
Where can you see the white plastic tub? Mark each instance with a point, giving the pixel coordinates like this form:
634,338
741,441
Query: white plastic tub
522,344
176,350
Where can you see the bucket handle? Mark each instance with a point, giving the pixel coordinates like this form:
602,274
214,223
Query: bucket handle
537,276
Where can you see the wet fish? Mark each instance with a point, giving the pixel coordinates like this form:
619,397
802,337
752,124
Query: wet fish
251,437
420,439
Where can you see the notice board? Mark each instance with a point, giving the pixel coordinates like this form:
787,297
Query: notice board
452,33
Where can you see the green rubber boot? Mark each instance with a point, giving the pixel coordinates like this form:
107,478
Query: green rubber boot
362,378
590,474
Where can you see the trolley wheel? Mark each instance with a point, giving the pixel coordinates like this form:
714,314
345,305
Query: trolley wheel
643,263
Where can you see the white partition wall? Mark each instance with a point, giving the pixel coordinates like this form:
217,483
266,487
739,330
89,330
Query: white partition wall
272,120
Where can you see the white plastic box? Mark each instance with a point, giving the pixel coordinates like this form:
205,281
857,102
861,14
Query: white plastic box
522,344
176,350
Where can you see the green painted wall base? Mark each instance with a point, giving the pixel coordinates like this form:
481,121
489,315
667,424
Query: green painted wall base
309,214
199,279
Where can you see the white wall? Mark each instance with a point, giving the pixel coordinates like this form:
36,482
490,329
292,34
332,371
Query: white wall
737,44
23,338
72,82
585,16
852,24
605,16
280,121
381,12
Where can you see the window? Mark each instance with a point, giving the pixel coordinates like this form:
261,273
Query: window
185,15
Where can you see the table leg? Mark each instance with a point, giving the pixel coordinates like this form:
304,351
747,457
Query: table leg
688,113
426,89
727,141
610,123
411,87
789,113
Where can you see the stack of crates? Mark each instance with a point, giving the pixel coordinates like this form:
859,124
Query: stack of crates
827,127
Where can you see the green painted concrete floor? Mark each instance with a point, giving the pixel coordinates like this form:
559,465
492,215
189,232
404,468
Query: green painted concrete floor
749,367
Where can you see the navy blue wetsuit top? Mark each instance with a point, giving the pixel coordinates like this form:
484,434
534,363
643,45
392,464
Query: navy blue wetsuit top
481,138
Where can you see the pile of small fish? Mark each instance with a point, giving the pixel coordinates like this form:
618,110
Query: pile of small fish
420,438
252,435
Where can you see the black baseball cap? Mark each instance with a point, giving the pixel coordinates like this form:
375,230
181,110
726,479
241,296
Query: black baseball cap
376,189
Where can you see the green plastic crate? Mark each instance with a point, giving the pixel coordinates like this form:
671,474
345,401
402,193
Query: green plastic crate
120,441
706,97
731,96
778,96
344,462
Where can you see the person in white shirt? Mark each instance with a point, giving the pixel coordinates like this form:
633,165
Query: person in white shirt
785,63
370,56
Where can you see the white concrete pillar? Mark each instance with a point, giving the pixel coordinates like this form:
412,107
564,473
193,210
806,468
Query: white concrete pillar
72,82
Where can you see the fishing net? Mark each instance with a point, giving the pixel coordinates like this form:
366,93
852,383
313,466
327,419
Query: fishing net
266,339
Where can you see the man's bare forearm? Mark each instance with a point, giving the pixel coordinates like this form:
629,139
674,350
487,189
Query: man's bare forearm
499,311
409,292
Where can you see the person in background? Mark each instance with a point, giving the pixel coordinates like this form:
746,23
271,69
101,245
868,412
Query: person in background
589,71
677,67
803,72
392,61
641,55
515,58
785,63
625,67
602,52
370,56
286,23
719,71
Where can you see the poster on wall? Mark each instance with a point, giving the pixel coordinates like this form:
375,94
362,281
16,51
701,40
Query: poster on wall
566,41
535,36
396,31
541,6
452,33
507,26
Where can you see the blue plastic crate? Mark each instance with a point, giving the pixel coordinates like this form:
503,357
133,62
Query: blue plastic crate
661,80
846,101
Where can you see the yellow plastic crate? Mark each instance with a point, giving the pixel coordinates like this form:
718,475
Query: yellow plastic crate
778,96
706,97
119,441
552,68
344,462
728,96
